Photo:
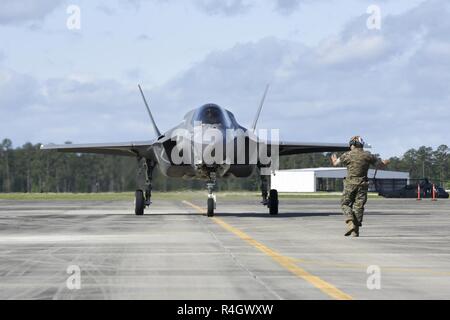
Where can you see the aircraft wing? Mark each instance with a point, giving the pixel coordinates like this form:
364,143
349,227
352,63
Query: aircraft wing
131,149
290,148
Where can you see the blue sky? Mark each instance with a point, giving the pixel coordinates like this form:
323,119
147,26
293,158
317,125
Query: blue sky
331,77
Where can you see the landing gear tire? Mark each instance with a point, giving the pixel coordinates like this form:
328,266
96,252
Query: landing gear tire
139,203
211,205
273,202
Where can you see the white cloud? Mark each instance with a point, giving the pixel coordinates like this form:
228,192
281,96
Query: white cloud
390,86
109,11
211,7
228,7
224,7
13,11
287,6
334,51
77,109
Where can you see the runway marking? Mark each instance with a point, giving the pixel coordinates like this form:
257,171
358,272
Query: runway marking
286,262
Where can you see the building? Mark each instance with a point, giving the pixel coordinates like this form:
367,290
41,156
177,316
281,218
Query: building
331,179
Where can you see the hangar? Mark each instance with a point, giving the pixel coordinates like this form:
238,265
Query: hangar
331,179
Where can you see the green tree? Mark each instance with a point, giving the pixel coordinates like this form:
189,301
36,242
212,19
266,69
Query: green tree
441,159
5,151
29,169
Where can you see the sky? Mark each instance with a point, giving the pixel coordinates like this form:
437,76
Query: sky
331,76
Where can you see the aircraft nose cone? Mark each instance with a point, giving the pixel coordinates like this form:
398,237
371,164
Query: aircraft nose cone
210,145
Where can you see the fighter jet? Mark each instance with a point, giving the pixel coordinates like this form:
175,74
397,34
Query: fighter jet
208,144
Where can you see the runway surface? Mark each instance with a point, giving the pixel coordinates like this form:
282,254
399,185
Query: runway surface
175,252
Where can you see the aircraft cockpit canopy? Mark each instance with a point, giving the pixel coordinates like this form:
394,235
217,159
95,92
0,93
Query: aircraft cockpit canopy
212,114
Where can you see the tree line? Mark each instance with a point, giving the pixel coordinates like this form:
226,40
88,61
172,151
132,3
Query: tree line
29,169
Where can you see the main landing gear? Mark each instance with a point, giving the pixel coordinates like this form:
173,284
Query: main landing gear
211,202
143,196
269,198
273,202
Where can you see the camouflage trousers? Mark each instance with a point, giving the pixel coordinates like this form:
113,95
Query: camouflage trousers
353,201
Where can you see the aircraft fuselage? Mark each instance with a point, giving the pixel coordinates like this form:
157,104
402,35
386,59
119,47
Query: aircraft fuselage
208,140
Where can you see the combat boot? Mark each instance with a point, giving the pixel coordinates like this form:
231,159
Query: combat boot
355,232
350,227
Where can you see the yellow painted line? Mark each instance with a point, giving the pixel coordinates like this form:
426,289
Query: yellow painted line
286,262
199,209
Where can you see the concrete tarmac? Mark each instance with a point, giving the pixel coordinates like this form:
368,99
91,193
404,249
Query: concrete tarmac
175,252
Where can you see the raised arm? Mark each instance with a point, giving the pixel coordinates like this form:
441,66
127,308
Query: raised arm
335,160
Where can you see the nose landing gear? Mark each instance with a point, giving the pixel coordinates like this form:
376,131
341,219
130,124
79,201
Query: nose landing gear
211,203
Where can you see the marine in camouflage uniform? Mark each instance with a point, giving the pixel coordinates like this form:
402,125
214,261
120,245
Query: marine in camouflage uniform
356,185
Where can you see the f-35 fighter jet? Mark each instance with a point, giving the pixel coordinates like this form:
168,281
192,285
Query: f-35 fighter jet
208,144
